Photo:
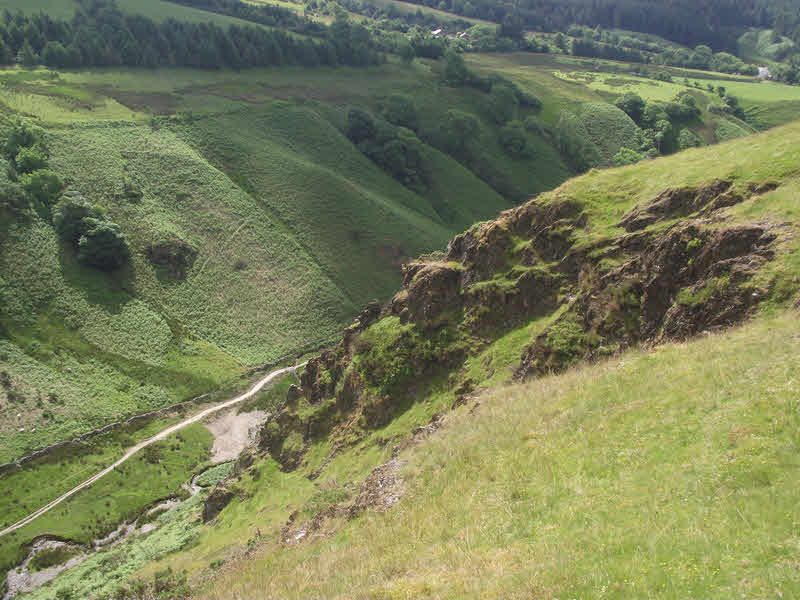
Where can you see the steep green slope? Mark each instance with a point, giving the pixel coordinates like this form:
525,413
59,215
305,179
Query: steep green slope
661,474
611,267
344,210
286,229
258,229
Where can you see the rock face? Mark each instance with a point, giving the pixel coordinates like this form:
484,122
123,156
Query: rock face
684,281
676,266
431,291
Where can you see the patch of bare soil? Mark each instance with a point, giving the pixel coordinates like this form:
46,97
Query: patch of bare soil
381,490
153,102
233,433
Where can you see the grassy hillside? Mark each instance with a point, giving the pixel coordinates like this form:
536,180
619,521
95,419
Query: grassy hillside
290,226
661,474
545,488
335,201
759,46
290,229
563,82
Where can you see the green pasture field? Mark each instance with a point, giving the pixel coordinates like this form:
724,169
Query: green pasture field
564,82
408,7
649,89
536,73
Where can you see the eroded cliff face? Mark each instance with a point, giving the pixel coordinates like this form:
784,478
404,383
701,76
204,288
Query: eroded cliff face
674,267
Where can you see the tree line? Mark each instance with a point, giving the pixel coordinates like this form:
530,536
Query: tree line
271,15
598,43
100,35
717,23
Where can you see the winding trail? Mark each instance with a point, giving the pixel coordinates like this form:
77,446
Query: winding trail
143,444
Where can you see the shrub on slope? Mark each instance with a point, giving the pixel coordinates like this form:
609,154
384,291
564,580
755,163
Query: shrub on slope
608,128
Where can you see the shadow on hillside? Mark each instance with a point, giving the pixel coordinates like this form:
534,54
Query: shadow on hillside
111,290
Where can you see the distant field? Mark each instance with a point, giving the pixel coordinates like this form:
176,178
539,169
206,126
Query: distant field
766,91
57,9
158,10
299,8
564,80
750,91
408,7
649,89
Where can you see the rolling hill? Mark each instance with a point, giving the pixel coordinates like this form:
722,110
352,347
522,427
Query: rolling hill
263,208
530,416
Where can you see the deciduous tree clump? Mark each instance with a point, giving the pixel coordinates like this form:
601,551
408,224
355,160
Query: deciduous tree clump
100,242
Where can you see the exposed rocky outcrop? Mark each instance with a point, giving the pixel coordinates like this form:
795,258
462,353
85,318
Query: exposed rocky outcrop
686,280
676,266
682,202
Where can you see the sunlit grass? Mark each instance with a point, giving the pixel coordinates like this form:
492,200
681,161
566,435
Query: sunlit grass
53,109
661,474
